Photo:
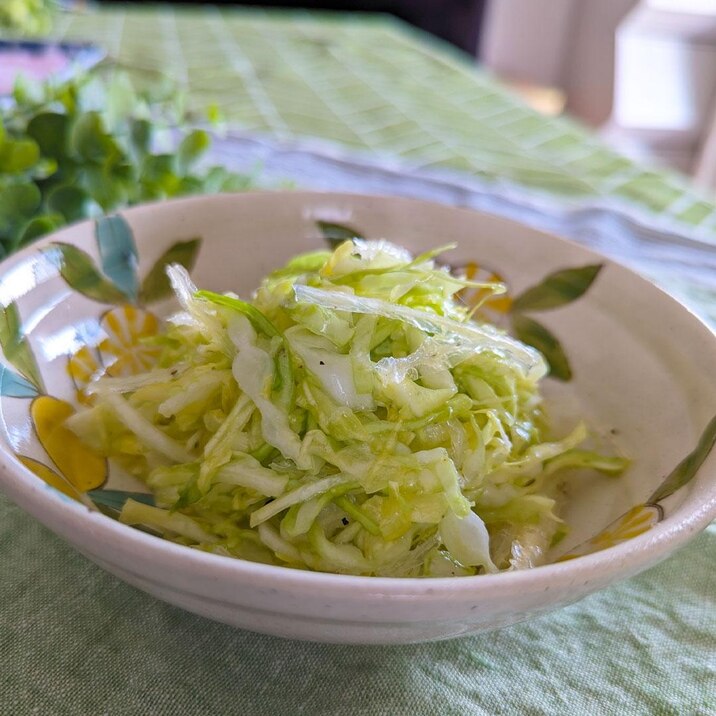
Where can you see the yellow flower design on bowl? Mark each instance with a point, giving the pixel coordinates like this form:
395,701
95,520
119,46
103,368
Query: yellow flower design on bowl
488,302
123,350
76,468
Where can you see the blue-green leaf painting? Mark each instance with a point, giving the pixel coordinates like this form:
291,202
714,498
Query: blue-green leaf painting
118,254
13,385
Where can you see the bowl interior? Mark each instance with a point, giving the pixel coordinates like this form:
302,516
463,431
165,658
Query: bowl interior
84,297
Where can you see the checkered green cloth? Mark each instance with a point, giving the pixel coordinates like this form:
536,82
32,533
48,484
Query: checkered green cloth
374,84
75,640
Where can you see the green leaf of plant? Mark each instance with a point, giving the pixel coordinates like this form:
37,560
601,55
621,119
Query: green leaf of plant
44,169
537,336
336,234
103,187
557,289
239,182
18,203
16,347
156,285
190,185
80,273
191,148
13,385
88,138
50,130
688,467
93,135
140,137
120,100
18,155
26,90
157,167
118,253
158,177
214,115
121,171
41,226
69,200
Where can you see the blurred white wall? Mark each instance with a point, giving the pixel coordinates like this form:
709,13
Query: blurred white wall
643,71
666,80
588,70
526,40
567,44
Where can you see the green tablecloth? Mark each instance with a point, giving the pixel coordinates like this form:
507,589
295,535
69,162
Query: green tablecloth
75,640
374,84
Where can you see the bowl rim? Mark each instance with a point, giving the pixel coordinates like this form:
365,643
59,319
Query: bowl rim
637,553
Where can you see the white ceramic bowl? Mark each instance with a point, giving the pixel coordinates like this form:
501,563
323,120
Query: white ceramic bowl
642,375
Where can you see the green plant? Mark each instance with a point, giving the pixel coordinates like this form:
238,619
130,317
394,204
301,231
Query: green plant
26,17
91,146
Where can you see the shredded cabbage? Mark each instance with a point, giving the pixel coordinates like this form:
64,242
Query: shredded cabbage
351,418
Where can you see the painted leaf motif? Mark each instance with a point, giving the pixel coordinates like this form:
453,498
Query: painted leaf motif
15,386
115,499
50,476
76,463
537,336
557,289
118,253
16,348
687,468
156,285
79,271
336,234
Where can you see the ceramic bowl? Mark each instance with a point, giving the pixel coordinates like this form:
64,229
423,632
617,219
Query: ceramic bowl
627,357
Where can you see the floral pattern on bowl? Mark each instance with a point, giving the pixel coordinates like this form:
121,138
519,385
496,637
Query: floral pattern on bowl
119,350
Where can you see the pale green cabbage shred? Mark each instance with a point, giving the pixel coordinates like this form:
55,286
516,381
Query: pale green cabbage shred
351,418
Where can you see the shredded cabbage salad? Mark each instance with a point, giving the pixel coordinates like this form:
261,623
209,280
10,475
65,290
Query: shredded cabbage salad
351,418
